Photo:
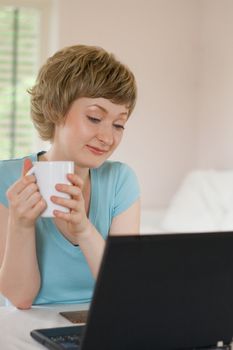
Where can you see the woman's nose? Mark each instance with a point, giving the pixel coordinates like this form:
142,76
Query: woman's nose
105,135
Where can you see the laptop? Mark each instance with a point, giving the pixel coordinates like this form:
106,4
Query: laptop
163,291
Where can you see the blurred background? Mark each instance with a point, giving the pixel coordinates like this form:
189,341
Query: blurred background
181,52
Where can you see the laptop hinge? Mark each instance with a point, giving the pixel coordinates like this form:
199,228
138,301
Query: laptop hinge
220,346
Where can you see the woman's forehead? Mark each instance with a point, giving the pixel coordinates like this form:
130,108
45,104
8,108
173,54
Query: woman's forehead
103,105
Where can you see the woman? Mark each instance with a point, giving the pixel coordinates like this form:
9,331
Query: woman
81,102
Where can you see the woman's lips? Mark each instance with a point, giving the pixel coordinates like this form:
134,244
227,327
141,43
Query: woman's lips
96,151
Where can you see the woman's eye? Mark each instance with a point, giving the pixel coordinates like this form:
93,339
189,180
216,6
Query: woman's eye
119,127
93,119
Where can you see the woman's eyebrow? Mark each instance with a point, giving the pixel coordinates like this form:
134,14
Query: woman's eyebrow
98,106
105,110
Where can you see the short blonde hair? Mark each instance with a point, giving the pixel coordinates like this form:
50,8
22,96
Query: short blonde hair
74,72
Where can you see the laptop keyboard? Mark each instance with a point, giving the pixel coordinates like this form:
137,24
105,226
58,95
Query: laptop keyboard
71,342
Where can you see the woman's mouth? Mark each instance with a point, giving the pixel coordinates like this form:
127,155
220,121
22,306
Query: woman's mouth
96,151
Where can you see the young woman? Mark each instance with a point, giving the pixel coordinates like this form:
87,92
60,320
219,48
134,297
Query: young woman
81,102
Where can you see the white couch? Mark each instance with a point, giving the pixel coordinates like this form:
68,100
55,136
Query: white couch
204,202
2,300
151,220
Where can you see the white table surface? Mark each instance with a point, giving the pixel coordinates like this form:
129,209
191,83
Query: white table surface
15,325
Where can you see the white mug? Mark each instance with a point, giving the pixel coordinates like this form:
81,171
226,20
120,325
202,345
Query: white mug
48,174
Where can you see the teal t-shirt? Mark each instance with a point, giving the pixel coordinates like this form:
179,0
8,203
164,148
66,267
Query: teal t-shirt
65,274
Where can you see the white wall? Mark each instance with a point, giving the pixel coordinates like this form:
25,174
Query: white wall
216,88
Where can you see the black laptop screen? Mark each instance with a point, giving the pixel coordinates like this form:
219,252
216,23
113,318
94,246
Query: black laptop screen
163,292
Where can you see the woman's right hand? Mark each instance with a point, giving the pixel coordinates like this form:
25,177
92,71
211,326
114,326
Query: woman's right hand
25,200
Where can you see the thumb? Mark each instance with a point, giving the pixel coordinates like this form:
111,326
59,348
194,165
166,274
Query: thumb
27,165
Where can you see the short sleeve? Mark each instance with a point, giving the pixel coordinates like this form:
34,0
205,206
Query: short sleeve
127,189
3,184
10,171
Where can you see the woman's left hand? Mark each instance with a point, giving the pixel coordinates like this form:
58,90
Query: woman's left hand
74,223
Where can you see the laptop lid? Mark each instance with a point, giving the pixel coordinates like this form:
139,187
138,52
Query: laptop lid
170,291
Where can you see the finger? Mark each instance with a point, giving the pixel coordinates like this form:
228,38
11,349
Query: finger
19,186
71,217
27,165
65,202
75,180
31,199
73,191
38,208
28,191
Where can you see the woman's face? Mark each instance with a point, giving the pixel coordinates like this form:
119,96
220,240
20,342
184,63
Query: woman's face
91,131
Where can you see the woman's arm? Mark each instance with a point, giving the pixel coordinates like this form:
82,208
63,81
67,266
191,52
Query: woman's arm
19,272
76,227
128,222
92,244
79,230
